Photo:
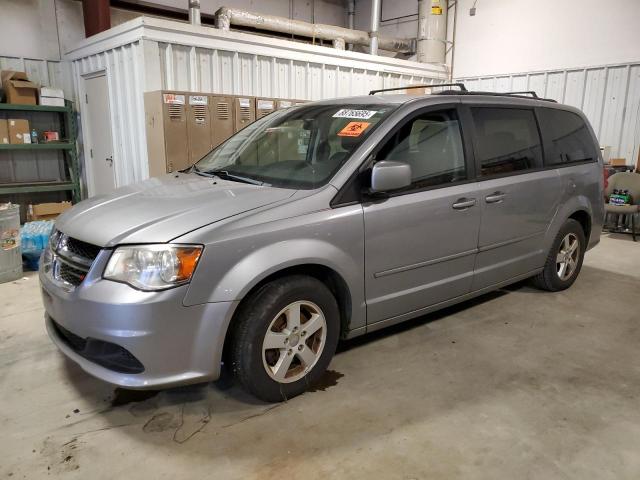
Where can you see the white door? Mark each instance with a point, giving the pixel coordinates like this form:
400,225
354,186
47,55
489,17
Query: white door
100,159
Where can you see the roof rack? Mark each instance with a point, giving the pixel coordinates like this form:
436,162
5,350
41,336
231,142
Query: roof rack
461,86
463,91
527,95
528,92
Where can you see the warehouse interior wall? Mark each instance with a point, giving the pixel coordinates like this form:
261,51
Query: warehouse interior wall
46,29
521,35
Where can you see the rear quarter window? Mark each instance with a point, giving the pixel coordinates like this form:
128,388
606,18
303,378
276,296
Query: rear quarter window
569,138
507,140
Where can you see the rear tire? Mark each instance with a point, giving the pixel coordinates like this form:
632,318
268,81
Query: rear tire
284,337
565,258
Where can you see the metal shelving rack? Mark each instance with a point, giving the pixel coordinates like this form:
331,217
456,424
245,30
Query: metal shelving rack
67,146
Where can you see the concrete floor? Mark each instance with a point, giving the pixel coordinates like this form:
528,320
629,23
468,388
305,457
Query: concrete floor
517,384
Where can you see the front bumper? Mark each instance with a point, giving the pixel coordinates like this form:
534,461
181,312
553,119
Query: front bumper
175,344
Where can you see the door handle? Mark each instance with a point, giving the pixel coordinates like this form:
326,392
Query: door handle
109,160
495,197
464,203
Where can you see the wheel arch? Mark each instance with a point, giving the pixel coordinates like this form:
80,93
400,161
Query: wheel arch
328,276
577,208
584,219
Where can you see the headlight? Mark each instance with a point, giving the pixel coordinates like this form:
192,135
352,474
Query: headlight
153,267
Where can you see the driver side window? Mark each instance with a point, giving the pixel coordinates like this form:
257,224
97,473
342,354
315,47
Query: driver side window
432,144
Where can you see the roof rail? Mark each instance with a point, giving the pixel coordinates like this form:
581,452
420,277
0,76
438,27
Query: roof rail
528,92
527,95
461,86
463,91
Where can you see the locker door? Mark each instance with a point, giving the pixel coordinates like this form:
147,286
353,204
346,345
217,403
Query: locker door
222,125
198,127
244,112
264,106
175,131
280,104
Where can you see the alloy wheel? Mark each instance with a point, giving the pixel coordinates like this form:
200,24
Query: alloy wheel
568,256
294,341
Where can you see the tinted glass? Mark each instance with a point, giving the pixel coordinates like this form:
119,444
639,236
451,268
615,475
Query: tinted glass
507,140
432,145
570,138
300,147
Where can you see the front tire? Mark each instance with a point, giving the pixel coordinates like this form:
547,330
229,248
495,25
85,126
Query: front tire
564,260
284,338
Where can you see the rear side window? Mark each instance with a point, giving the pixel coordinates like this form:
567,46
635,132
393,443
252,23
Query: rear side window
569,137
507,140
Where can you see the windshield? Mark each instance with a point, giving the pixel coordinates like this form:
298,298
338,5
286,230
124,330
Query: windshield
300,147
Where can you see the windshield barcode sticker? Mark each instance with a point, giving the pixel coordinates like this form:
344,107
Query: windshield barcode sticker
357,114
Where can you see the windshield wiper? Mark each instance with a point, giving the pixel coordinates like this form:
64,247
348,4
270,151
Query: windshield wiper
224,174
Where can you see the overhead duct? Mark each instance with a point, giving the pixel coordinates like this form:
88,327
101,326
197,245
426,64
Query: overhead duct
225,17
194,12
432,31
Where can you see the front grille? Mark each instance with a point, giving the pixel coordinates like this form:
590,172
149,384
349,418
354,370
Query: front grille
72,259
82,249
106,354
71,275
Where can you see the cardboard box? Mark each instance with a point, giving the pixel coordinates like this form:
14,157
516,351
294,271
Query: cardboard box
4,131
46,211
617,162
18,89
52,101
51,92
19,132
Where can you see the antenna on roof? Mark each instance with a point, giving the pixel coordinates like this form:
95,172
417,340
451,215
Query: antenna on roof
435,85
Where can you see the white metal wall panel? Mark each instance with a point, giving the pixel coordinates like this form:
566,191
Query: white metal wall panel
219,71
123,68
43,72
608,95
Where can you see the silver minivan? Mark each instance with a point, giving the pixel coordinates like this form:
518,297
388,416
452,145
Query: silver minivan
316,223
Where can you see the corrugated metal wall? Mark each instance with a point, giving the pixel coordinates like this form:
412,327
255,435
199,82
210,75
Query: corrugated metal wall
123,67
220,71
608,95
44,72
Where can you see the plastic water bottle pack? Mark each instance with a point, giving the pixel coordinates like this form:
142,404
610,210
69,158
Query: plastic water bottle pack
34,237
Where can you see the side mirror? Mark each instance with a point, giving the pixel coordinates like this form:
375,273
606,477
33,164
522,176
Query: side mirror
387,175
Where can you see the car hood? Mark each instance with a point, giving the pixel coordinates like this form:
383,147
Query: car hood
161,209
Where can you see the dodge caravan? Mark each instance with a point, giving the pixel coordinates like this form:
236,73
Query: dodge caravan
317,223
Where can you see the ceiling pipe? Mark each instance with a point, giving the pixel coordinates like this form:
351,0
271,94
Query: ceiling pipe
351,15
194,12
226,16
376,7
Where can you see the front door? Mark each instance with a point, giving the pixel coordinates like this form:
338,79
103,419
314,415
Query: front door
421,243
101,175
518,197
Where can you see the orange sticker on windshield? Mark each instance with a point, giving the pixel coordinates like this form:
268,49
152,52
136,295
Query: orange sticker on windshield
353,129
